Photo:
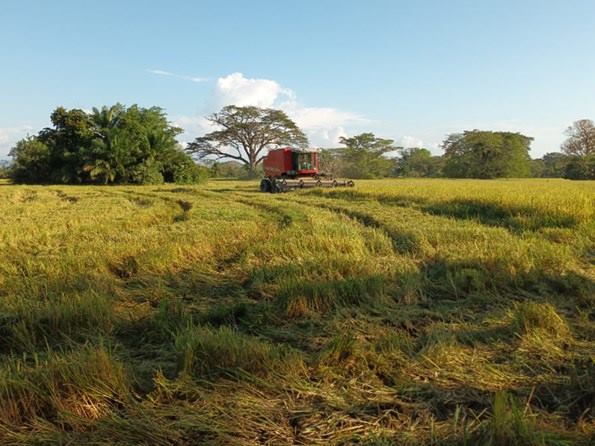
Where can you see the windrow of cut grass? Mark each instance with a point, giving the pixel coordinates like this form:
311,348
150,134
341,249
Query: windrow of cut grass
398,312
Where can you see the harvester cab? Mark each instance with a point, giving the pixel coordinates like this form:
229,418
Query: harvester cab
289,168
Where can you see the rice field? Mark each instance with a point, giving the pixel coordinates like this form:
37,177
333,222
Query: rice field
397,312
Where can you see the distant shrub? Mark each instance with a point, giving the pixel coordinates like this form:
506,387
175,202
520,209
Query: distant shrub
180,169
581,168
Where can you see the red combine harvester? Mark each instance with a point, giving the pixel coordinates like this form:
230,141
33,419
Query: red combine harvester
289,168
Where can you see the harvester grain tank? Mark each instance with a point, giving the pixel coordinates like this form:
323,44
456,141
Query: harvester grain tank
289,168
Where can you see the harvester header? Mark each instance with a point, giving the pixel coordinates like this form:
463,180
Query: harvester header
290,168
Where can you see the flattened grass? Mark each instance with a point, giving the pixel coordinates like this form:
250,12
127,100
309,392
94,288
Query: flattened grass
397,312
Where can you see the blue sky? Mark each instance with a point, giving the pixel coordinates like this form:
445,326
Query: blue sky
411,71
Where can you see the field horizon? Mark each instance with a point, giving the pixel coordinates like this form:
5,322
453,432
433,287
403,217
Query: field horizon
399,311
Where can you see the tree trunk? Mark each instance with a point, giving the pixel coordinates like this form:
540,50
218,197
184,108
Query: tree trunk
252,167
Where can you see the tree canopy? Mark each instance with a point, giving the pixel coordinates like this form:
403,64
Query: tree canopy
363,156
246,134
580,148
485,154
581,138
418,162
554,165
108,145
331,162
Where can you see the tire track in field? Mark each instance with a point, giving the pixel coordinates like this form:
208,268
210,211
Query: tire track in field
224,274
584,255
181,206
403,243
477,211
284,218
223,263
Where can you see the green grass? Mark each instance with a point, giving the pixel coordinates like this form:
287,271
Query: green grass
405,312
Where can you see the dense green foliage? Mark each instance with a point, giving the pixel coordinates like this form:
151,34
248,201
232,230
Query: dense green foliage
581,168
331,162
398,312
246,134
137,145
363,156
554,165
560,165
484,154
227,169
418,162
109,145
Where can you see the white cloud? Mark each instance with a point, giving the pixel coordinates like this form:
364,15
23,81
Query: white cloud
178,76
410,142
193,126
10,135
235,89
323,125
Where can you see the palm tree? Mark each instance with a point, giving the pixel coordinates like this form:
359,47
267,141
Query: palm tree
106,117
101,170
104,157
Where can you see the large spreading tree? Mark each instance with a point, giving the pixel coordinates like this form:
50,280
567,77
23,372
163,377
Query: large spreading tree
485,154
581,139
580,148
108,145
246,134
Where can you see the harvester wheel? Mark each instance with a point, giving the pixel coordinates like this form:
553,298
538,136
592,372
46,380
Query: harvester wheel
301,184
265,185
276,187
350,183
334,183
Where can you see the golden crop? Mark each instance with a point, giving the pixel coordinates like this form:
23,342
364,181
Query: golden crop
397,312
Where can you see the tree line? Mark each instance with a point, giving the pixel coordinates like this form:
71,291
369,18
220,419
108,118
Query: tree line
138,145
246,134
